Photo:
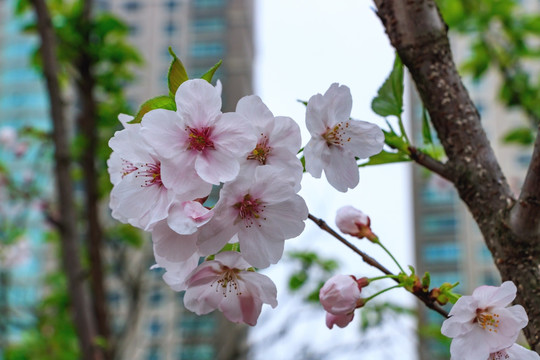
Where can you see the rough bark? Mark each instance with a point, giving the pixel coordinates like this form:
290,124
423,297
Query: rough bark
80,309
87,121
417,31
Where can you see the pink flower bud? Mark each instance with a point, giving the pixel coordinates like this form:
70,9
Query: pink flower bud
8,136
354,222
339,320
340,294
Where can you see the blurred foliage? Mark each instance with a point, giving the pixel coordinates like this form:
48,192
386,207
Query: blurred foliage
503,36
376,314
311,273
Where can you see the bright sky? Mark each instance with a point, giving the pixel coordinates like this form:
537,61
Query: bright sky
303,46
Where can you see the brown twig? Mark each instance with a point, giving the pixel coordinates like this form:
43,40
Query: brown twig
424,297
428,162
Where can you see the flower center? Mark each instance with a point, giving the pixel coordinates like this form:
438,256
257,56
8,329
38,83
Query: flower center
199,139
249,210
487,320
499,355
261,151
228,281
152,172
335,136
127,168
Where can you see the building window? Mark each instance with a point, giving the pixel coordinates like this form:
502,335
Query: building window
155,297
170,28
155,327
436,224
208,3
171,5
132,6
199,352
133,29
154,353
213,49
208,25
524,160
114,298
441,252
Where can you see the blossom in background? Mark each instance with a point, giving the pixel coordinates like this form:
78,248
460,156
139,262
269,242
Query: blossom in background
8,136
340,296
514,352
198,140
483,323
278,140
226,284
354,222
336,140
264,210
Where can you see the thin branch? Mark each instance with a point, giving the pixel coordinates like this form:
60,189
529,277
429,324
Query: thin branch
429,163
424,297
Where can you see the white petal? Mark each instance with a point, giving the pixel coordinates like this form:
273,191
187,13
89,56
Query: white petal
198,103
342,170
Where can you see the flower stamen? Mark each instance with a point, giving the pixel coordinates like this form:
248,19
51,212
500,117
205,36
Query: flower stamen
487,320
249,209
199,139
261,151
335,135
152,172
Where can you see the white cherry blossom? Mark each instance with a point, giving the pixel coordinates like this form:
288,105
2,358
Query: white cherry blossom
483,323
336,140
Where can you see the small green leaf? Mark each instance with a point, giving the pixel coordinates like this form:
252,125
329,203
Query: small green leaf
210,73
177,74
159,102
395,141
389,99
297,280
520,135
385,157
426,128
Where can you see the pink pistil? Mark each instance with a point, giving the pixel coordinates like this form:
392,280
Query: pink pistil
152,172
199,139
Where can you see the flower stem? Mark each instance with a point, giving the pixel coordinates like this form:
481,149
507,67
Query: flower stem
383,277
389,254
382,291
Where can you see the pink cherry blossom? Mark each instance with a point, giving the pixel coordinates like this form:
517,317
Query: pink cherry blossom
354,222
226,284
198,140
514,352
178,271
339,320
138,196
278,139
336,140
340,294
483,323
264,210
8,136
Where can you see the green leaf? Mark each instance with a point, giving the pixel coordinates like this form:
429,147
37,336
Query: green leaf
177,74
385,157
297,280
159,102
520,135
395,141
426,128
389,99
210,73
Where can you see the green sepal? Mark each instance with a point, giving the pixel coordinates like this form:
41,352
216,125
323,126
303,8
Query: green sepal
386,157
426,280
177,74
389,99
210,73
159,102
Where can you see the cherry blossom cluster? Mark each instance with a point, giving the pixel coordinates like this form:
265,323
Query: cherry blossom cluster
164,168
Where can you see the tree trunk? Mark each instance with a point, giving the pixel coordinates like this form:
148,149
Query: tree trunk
67,223
510,228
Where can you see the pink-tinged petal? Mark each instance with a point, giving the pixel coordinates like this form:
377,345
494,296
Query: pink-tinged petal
180,177
287,216
453,327
366,139
165,132
254,110
518,352
349,220
114,167
258,250
187,216
495,296
339,103
177,272
206,273
172,246
317,156
339,320
198,103
234,134
262,285
215,167
285,135
316,117
342,170
472,347
214,235
124,119
517,312
340,294
202,299
464,309
232,259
